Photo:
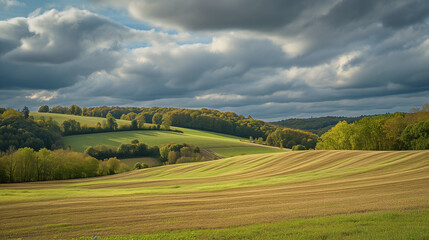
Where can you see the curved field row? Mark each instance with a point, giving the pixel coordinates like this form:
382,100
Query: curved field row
228,192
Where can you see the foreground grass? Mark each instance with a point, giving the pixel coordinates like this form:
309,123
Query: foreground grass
381,225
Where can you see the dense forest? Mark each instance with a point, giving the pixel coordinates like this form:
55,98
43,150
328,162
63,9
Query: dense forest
202,119
18,130
398,131
315,125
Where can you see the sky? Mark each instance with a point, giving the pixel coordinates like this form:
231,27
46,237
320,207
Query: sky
271,59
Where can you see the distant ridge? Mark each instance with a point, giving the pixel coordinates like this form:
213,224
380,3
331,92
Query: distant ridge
318,125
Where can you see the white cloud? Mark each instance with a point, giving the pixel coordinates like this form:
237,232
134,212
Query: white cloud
216,96
43,96
11,3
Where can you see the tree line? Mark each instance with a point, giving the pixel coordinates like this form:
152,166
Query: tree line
180,153
315,125
168,153
73,127
398,131
27,165
202,119
18,130
125,150
288,138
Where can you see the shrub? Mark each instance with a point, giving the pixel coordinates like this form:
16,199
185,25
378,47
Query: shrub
298,148
138,165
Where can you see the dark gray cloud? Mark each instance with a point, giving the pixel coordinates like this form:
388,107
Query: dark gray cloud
409,13
58,48
269,59
215,15
274,15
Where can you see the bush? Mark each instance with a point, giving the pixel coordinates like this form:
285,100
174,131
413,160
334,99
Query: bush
44,108
298,148
138,166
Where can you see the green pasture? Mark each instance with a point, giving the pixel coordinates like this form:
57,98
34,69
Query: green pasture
223,144
83,120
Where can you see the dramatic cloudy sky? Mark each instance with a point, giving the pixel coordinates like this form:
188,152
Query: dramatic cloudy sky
272,59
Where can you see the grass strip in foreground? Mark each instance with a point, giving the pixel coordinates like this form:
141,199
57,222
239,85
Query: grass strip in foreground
383,225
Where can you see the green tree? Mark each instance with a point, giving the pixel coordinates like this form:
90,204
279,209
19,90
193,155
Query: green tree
26,112
298,148
157,119
71,126
111,122
134,124
138,165
172,157
166,122
416,136
45,165
113,165
337,138
75,110
44,108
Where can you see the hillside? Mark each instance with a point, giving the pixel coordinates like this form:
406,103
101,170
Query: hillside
82,119
243,190
223,144
315,125
202,119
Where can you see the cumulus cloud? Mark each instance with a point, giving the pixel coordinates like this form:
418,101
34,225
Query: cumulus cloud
59,48
209,15
11,3
43,95
270,59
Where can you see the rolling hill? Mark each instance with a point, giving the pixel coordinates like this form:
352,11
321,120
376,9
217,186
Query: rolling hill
82,119
222,144
294,195
315,125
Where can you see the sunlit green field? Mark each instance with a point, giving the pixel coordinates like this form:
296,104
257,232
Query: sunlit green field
83,120
223,144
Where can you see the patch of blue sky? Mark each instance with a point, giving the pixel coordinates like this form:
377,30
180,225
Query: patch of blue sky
28,6
196,40
137,45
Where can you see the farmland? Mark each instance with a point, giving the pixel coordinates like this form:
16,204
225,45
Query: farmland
223,144
335,194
